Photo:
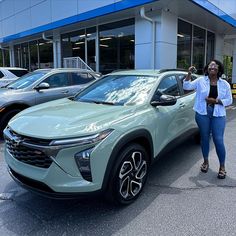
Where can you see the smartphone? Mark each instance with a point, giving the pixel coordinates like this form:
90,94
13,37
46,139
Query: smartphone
193,70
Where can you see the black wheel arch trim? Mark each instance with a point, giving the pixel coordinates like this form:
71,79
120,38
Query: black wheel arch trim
128,138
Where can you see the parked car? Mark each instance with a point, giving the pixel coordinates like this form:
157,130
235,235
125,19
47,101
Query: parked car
9,74
104,139
41,86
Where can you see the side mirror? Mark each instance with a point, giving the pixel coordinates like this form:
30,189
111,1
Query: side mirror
165,100
43,85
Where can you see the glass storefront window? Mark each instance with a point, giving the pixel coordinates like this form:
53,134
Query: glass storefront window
73,44
91,47
210,46
45,54
116,46
34,60
1,58
6,57
199,36
184,44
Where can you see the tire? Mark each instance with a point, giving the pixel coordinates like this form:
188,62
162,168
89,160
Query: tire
6,118
130,175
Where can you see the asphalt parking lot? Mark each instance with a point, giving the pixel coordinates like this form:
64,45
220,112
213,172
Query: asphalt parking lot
177,200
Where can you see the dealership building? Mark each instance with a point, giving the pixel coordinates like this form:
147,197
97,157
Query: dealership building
106,35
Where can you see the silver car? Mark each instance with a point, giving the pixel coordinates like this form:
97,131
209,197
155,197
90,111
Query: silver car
41,86
10,74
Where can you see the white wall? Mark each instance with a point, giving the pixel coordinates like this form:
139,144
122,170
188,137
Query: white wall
165,43
20,15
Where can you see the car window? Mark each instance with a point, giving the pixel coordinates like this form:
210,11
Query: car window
18,73
1,75
58,80
169,86
26,80
181,79
81,78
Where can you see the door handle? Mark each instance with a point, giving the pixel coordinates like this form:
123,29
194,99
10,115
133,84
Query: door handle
181,105
65,91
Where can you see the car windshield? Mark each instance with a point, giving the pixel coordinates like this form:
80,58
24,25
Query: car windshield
118,90
26,80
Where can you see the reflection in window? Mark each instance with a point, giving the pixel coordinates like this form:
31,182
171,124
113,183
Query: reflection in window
184,44
199,48
73,44
1,58
119,90
81,78
169,86
116,46
34,60
197,38
58,80
210,46
45,54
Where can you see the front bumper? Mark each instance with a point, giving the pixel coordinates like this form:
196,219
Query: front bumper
43,190
62,178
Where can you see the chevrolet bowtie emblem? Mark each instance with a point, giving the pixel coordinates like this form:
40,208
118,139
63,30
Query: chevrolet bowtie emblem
16,142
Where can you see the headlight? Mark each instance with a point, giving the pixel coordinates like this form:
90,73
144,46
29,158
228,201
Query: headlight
83,140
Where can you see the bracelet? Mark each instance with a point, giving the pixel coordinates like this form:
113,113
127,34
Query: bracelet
217,101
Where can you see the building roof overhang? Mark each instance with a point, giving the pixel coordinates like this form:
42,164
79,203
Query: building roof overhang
199,12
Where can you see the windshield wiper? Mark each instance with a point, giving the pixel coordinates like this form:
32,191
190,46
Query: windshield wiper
103,102
97,102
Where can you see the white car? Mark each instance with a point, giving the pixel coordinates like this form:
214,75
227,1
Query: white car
9,74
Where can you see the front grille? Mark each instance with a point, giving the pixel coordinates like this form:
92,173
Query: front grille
28,155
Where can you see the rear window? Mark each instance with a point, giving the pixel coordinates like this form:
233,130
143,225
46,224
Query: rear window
19,73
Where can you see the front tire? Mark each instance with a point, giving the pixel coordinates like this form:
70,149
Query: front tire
6,118
130,175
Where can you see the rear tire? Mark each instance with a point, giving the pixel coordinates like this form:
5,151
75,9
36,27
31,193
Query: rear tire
129,176
6,118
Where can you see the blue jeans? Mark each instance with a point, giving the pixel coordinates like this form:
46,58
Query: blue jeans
208,124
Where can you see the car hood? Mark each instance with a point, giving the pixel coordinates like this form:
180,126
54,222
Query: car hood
67,118
7,94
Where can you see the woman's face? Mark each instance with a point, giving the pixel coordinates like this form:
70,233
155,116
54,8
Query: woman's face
213,68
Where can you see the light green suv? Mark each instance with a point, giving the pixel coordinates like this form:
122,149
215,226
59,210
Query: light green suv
104,139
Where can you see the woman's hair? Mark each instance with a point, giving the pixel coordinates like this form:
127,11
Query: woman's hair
220,69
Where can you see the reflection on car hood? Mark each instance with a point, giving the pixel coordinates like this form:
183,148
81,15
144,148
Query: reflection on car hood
66,118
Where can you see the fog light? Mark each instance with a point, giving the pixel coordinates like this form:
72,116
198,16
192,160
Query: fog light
83,162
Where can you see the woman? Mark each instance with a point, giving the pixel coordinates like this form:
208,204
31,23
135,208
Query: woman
213,94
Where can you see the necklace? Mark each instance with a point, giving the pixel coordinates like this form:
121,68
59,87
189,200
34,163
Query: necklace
213,82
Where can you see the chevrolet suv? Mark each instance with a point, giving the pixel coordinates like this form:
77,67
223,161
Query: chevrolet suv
41,86
104,139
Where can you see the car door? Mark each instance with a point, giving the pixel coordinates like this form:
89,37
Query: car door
187,103
169,118
59,88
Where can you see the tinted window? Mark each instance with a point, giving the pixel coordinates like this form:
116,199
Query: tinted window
81,78
26,80
58,80
181,78
19,73
169,86
1,75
